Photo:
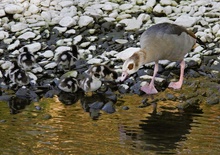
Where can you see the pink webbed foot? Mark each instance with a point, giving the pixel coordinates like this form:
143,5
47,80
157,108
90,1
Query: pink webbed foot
175,85
149,89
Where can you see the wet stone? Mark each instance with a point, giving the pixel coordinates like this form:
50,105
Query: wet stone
193,101
37,107
193,73
94,113
212,100
171,97
109,107
46,116
2,121
123,88
125,108
96,105
136,88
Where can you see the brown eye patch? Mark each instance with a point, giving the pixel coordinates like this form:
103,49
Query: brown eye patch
130,66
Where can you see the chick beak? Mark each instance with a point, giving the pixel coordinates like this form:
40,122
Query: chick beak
124,75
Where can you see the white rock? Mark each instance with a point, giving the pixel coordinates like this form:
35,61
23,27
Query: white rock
123,16
71,11
121,41
158,79
14,45
32,76
143,17
85,44
151,3
2,13
92,48
46,16
186,20
218,33
164,62
124,55
35,2
124,86
66,3
27,35
77,39
165,2
198,49
38,24
44,62
94,61
33,9
47,54
72,31
60,29
45,3
167,10
3,35
114,14
125,6
50,65
15,53
132,24
197,60
107,7
215,28
186,8
1,51
13,9
92,38
171,65
67,22
38,69
109,19
18,27
34,47
158,9
85,20
6,65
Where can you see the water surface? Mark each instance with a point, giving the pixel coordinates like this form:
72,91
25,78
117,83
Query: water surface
139,130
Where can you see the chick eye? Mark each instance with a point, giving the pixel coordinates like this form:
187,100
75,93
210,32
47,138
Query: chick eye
130,66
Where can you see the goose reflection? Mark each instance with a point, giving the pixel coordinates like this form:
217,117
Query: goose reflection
160,132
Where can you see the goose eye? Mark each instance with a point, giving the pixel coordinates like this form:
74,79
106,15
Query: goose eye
130,66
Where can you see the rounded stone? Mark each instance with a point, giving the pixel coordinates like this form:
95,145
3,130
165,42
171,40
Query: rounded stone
13,9
85,20
67,21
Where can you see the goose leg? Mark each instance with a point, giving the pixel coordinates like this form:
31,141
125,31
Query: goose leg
149,88
178,84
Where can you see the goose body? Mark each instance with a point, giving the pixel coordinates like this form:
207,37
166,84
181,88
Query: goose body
17,75
67,59
103,72
164,41
68,82
26,60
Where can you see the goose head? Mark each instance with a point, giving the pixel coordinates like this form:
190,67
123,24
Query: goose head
130,66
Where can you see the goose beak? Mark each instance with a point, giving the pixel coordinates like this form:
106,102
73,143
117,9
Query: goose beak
124,75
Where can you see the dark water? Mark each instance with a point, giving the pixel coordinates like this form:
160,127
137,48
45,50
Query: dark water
135,131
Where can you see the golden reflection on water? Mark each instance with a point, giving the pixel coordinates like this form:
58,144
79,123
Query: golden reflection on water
135,131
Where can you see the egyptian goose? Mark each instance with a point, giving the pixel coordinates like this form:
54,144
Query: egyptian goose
67,59
68,82
17,75
164,41
26,60
103,72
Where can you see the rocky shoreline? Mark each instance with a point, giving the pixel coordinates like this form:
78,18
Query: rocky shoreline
105,32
